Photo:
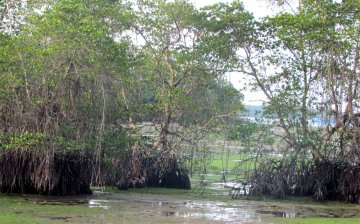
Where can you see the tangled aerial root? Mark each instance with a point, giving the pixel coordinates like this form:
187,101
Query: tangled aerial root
321,179
45,172
142,168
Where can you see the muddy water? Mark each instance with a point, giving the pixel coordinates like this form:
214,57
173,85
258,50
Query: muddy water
148,208
185,211
144,208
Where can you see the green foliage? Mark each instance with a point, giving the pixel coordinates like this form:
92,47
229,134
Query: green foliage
38,141
26,140
252,135
8,81
116,144
227,27
74,77
63,56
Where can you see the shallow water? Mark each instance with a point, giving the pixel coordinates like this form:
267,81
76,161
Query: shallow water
129,207
159,208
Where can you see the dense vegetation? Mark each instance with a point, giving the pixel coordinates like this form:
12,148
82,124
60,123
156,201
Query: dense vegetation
306,62
87,76
125,87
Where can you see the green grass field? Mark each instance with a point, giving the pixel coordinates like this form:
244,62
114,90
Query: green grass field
20,209
314,220
216,164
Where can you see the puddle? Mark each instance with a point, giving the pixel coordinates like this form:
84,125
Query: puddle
93,203
148,208
233,211
279,213
133,206
170,213
231,188
65,219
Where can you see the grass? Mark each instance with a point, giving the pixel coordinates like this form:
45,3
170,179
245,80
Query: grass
18,209
228,163
314,220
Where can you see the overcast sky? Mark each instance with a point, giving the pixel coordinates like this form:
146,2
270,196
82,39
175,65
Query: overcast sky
259,8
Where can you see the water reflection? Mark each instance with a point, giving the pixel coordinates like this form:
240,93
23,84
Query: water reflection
232,188
219,212
224,211
145,208
93,203
283,214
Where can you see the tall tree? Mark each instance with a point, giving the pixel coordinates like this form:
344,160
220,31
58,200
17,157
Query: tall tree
177,63
306,63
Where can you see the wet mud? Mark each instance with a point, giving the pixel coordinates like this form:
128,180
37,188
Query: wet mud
148,208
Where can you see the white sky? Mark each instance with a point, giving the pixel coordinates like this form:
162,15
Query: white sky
259,8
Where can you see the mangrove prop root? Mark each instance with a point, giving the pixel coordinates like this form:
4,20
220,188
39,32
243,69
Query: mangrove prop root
45,172
142,168
323,180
